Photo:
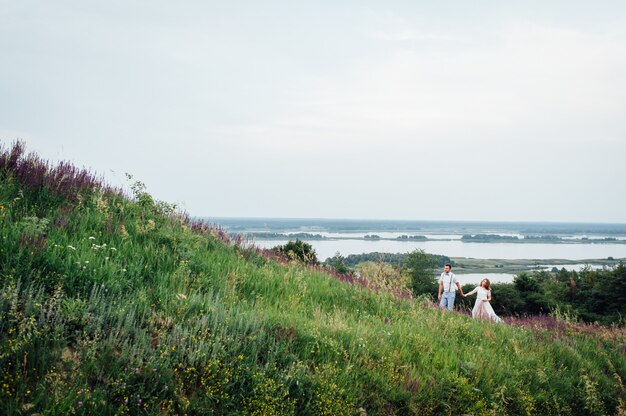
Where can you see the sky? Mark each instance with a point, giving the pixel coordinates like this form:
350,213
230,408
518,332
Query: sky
451,110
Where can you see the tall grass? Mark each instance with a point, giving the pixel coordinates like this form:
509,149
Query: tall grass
117,305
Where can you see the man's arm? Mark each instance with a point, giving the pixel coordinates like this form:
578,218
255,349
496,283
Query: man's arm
440,289
459,286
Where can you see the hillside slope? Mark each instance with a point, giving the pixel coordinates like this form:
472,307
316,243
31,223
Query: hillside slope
118,305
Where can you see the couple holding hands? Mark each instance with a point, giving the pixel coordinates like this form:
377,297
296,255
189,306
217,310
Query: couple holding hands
448,285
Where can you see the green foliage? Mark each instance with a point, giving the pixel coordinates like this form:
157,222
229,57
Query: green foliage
488,238
421,266
126,310
298,250
528,289
398,259
338,262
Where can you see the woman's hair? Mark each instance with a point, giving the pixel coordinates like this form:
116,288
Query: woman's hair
488,283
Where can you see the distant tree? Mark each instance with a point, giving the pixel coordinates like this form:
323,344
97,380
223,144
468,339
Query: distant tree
531,294
421,267
298,250
338,262
525,283
603,298
396,259
506,299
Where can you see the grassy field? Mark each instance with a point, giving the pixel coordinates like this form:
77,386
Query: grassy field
119,305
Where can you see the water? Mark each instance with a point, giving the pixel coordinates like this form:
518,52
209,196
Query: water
475,278
420,227
579,240
457,248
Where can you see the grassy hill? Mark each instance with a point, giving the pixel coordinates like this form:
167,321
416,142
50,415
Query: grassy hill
119,305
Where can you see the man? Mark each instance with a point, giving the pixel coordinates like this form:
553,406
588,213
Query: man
448,284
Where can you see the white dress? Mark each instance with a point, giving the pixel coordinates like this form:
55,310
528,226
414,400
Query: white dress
482,307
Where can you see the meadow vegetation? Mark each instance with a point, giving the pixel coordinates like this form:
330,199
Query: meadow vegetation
113,304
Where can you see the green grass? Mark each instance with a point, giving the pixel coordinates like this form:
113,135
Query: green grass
127,310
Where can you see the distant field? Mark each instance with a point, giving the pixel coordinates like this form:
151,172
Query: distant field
470,265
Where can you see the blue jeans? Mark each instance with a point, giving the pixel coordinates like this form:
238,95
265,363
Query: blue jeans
447,300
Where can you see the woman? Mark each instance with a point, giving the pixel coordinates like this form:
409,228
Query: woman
482,307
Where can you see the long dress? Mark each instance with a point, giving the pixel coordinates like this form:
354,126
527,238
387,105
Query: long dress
482,307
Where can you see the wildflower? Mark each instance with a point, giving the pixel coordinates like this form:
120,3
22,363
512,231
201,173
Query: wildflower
113,249
71,247
84,267
181,296
92,238
80,404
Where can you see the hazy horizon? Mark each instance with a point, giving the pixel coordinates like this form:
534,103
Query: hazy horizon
407,220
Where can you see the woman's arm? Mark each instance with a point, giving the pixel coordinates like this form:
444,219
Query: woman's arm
488,296
470,293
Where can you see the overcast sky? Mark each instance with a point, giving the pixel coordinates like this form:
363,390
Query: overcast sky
451,110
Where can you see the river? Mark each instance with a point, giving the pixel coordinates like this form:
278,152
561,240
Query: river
456,248
578,241
441,244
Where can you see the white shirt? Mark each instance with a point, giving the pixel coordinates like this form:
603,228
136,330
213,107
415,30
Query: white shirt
449,282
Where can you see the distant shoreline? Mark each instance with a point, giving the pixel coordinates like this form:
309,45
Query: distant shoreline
413,238
314,225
